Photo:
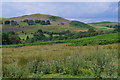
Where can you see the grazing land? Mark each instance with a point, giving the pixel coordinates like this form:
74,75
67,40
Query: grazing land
61,61
47,46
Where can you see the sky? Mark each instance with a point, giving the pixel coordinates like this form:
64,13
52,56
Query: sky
60,0
82,11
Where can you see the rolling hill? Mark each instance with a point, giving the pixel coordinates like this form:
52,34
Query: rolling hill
57,24
108,25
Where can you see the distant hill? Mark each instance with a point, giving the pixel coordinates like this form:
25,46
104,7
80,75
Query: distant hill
38,16
57,24
106,24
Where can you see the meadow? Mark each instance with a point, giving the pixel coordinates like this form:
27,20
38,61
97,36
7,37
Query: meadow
89,57
61,61
31,50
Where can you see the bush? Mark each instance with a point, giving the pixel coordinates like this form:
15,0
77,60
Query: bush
10,38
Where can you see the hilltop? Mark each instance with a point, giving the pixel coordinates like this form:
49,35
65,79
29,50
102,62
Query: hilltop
57,24
36,17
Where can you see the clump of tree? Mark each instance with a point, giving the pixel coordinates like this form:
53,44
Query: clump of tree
37,21
117,29
7,22
48,22
12,22
10,38
38,36
34,22
64,35
113,26
31,22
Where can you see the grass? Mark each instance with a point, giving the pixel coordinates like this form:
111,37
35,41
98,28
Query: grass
60,61
23,36
99,39
80,25
104,24
34,28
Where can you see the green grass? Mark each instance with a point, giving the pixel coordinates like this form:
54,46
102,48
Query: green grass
60,61
104,24
100,39
79,24
101,22
23,36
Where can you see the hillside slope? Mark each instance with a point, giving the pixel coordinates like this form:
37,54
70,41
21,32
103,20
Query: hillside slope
104,25
57,24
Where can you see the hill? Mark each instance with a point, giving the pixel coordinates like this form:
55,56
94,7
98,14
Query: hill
57,24
108,25
38,16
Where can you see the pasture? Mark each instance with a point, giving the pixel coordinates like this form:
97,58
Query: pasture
61,61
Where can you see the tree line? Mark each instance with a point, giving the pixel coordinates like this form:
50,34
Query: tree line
64,35
13,38
29,22
34,22
113,26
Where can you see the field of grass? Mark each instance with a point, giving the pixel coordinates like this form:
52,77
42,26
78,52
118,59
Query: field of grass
61,61
23,36
104,24
100,27
88,57
95,40
34,28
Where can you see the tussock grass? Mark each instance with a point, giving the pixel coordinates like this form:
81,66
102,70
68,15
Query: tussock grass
58,60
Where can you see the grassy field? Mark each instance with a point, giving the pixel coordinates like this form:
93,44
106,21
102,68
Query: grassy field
75,58
60,61
34,28
23,36
104,24
88,57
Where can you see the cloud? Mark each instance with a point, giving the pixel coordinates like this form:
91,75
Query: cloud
63,9
60,0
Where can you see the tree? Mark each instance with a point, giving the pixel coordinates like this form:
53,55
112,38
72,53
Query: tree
5,39
39,31
13,39
117,29
7,22
48,22
43,22
10,38
27,37
39,36
14,22
26,20
91,30
30,22
37,21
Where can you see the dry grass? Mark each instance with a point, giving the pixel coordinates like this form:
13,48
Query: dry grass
49,60
48,52
100,27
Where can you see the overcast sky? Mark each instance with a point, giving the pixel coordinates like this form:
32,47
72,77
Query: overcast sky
60,0
70,10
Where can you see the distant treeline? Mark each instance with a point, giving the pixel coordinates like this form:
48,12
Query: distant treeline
13,38
29,22
33,22
113,26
